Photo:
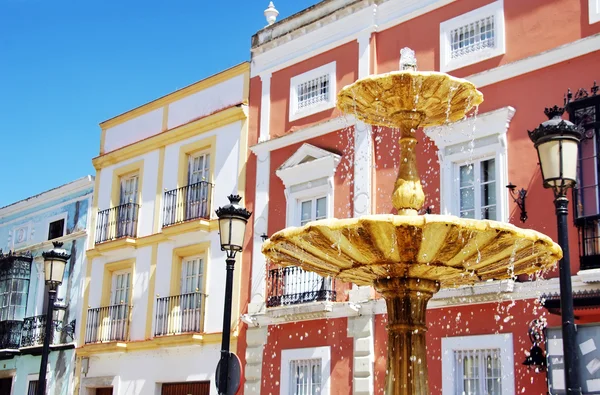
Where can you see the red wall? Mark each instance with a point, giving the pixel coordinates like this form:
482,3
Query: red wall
318,333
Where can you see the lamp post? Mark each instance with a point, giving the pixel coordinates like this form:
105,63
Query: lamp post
232,228
556,142
55,261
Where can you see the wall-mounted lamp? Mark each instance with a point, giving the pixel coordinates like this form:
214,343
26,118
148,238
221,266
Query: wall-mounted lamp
536,358
518,196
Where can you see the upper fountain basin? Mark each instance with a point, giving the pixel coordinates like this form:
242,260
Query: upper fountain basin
390,99
453,251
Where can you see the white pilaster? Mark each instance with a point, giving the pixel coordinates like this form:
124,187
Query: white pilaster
261,203
363,145
265,107
363,362
256,338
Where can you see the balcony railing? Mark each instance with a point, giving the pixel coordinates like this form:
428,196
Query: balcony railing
293,285
117,222
10,334
34,329
187,203
107,324
179,314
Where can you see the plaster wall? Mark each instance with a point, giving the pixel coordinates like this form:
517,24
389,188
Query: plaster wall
142,372
207,101
133,130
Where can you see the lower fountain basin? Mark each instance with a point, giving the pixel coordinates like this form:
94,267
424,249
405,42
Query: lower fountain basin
452,251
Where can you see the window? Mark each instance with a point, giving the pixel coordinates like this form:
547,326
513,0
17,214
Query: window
191,275
477,189
312,92
14,287
198,168
308,179
478,372
473,158
305,371
306,377
472,37
32,387
129,189
196,195
120,287
313,209
478,365
594,10
56,229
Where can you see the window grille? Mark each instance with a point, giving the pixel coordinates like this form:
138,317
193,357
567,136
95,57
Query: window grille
313,92
33,387
305,377
472,37
478,372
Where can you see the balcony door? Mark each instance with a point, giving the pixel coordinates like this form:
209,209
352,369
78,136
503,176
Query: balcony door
119,300
196,197
192,287
127,210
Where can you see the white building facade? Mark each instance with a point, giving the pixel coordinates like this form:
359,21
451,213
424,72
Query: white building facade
156,272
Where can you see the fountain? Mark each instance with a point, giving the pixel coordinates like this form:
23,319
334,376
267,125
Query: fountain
409,257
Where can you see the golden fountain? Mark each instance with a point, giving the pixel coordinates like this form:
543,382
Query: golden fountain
409,257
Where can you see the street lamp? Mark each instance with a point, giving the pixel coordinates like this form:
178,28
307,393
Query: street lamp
55,261
232,228
556,141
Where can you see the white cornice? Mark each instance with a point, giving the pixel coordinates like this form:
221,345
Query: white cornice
548,58
48,196
494,122
46,245
320,129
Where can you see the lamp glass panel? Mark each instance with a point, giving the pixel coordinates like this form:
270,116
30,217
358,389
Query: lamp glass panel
550,160
55,270
58,314
569,148
238,230
224,232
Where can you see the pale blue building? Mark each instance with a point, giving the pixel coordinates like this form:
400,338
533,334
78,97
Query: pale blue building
28,228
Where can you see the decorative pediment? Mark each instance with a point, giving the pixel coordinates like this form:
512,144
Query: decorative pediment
308,163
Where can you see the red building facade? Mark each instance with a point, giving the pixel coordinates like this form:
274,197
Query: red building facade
308,161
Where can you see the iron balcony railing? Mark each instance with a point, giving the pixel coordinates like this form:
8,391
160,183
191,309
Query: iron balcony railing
117,222
10,334
179,314
293,285
34,331
187,203
107,324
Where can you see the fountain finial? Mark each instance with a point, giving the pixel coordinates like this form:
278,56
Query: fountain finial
408,61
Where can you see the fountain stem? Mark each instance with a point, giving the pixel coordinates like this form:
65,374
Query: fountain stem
406,300
408,196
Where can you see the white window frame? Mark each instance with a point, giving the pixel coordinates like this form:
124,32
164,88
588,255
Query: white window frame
475,162
313,207
327,69
461,134
184,275
497,10
287,356
503,341
594,11
33,377
114,283
57,218
300,177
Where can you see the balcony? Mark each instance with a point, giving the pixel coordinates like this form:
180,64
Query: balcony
117,222
179,314
187,203
107,324
34,331
293,285
10,335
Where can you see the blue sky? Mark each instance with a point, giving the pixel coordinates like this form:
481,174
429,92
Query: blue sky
67,65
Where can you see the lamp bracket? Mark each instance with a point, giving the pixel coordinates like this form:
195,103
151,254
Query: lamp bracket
518,196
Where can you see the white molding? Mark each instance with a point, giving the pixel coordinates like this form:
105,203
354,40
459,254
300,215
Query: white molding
542,60
493,123
292,172
265,107
495,9
50,195
503,341
289,355
590,275
333,30
328,69
309,132
594,11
